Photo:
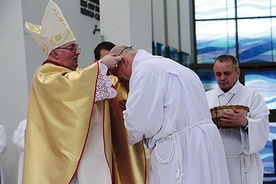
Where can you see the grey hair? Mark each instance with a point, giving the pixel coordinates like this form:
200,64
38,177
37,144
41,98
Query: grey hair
226,57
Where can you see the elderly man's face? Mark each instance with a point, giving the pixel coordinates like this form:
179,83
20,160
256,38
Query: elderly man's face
68,55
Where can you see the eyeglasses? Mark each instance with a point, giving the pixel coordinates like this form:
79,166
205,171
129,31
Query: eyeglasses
124,50
71,48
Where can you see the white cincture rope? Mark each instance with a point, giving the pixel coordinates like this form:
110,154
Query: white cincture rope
175,147
179,172
243,169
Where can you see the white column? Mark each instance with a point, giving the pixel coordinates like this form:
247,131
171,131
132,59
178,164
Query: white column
127,22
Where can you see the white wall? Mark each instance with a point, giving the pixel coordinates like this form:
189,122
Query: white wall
14,89
127,22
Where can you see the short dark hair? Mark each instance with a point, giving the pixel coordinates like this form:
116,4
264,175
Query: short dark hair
105,45
226,57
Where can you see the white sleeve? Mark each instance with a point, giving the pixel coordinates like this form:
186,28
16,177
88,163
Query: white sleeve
3,139
18,138
104,89
258,126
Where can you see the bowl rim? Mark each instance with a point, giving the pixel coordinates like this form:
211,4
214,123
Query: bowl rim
230,107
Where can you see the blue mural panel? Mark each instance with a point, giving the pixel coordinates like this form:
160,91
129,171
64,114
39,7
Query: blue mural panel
255,43
214,38
266,153
265,83
222,29
253,8
207,78
210,9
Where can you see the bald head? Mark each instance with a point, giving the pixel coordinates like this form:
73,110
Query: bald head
123,51
124,69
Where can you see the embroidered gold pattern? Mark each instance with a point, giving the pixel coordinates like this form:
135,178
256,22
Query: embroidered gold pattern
34,28
60,38
44,48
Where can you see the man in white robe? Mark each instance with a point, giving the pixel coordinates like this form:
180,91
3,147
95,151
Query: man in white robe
129,163
250,135
18,139
3,148
167,108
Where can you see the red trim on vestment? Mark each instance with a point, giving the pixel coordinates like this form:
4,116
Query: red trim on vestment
89,124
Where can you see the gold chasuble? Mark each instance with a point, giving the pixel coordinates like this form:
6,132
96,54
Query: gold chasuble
129,161
60,110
